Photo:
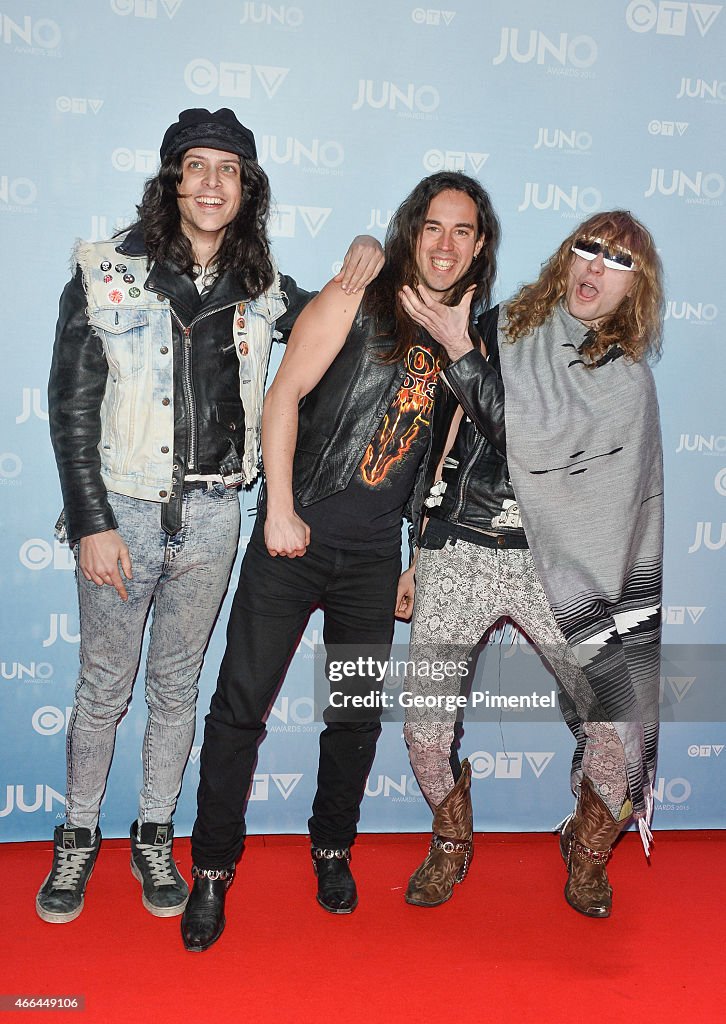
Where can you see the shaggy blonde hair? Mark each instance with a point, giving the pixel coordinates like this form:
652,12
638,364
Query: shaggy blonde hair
635,326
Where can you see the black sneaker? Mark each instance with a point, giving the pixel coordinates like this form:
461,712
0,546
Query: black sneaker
60,898
164,892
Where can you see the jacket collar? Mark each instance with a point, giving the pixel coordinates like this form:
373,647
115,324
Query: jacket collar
164,279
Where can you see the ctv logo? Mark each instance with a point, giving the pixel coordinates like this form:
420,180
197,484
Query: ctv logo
504,765
419,16
704,538
699,89
667,128
283,220
577,199
145,8
317,156
705,750
202,76
409,99
266,14
44,798
142,161
703,187
37,35
576,52
570,142
675,615
37,554
285,785
50,720
668,17
453,160
77,105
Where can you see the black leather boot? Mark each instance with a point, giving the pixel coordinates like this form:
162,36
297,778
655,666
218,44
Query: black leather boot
336,886
203,920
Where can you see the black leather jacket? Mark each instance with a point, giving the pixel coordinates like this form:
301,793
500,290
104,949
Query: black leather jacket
478,489
209,422
342,413
338,418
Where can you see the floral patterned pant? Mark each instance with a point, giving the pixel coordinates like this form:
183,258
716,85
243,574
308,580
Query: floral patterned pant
462,590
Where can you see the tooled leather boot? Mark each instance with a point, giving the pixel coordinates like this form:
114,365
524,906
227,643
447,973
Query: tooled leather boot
449,856
586,844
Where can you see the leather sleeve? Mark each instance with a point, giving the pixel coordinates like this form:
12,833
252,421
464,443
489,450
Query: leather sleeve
75,391
478,386
296,299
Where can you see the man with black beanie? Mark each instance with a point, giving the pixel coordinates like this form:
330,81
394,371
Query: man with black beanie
155,400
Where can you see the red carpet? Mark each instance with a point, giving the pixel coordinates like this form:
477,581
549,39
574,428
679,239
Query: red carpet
506,948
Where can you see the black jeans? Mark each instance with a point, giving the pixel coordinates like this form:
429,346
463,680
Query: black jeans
274,598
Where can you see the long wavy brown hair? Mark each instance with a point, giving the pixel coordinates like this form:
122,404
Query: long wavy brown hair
637,323
381,300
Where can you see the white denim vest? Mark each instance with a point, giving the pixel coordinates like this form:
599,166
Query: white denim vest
137,412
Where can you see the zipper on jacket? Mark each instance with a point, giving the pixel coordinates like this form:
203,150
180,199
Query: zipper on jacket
188,383
464,479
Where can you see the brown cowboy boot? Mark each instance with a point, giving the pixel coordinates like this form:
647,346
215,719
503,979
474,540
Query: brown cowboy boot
450,852
586,844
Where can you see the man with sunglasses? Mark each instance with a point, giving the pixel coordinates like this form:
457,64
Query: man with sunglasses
548,511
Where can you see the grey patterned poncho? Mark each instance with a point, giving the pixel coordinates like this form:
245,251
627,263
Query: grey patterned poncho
585,460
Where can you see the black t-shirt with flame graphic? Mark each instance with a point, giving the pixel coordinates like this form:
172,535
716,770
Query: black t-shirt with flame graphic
368,511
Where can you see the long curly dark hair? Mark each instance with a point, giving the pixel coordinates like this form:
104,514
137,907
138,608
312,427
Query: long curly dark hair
637,323
402,236
245,249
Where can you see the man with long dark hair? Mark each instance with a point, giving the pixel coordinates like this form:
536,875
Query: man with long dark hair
548,510
345,433
155,400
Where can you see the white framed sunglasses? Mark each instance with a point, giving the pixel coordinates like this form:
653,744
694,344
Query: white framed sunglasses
616,258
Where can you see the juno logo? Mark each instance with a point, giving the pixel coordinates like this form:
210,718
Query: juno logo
266,14
551,197
423,99
578,51
703,185
29,801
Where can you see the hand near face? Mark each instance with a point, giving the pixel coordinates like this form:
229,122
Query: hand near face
449,325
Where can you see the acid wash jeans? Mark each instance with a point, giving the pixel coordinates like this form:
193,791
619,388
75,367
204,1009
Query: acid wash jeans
184,579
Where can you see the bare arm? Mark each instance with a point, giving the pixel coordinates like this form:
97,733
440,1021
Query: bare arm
318,336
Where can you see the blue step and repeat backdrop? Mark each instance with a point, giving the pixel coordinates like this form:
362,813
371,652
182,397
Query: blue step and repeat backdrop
560,110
